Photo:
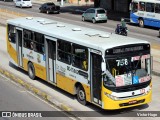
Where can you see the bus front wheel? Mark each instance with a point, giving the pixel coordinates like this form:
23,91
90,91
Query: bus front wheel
141,23
31,71
81,96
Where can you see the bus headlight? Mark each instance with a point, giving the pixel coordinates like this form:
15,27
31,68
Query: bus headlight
148,90
111,96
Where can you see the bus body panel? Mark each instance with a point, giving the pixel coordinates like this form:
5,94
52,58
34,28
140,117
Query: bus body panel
38,61
25,64
150,18
67,75
11,48
147,21
110,104
65,83
68,85
12,52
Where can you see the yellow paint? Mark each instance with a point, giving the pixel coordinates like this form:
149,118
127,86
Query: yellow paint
68,85
40,71
25,64
12,52
87,91
65,83
110,104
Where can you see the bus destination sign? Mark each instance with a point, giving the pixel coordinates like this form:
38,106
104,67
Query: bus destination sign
128,49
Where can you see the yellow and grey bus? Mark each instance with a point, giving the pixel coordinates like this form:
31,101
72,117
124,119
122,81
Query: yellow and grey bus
105,69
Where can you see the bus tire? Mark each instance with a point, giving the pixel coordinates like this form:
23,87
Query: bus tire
141,23
81,95
31,71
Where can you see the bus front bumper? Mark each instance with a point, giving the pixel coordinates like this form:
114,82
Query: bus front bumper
110,104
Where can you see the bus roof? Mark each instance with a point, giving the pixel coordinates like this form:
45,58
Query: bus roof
151,1
92,38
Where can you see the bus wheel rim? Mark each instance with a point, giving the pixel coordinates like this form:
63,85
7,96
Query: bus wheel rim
30,71
81,95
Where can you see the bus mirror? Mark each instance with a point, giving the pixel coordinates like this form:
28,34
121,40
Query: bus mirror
103,66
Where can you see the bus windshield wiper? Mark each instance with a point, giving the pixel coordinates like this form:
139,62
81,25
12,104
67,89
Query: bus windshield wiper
135,67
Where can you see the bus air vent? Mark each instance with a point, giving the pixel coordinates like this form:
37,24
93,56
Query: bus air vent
76,29
60,25
29,18
48,22
92,34
104,36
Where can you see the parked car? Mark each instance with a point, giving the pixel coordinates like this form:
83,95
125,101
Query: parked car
94,15
23,3
49,7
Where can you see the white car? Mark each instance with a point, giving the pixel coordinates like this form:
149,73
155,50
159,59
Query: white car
23,3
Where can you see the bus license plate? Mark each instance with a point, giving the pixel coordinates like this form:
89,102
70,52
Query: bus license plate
132,102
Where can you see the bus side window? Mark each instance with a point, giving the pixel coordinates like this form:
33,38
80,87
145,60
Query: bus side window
39,43
11,33
149,7
157,8
142,6
80,57
64,51
134,7
28,39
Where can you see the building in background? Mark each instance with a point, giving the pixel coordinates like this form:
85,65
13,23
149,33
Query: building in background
81,2
114,5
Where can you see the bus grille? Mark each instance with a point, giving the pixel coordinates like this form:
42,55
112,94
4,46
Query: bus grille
130,87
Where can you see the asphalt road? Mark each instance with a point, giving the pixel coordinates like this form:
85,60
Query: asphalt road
144,33
15,98
149,34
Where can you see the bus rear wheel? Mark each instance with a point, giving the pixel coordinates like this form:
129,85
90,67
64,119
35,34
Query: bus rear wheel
31,71
141,23
81,96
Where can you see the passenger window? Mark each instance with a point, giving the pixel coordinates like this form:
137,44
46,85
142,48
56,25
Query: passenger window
12,33
39,43
142,6
134,7
28,39
80,57
64,51
149,7
157,8
39,38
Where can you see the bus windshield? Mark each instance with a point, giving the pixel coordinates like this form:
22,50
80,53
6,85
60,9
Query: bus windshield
127,70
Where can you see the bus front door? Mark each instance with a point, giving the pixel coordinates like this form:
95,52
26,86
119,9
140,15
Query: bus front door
50,59
96,78
19,46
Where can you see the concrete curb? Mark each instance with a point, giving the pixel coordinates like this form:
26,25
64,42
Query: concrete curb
35,90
